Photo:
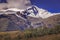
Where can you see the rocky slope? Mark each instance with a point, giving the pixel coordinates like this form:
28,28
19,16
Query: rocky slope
12,23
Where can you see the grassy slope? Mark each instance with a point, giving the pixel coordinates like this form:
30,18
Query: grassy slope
48,37
14,36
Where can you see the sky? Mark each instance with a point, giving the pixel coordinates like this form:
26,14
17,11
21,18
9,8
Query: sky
49,5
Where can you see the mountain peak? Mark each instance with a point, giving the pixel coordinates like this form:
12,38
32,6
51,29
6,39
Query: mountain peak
39,12
33,11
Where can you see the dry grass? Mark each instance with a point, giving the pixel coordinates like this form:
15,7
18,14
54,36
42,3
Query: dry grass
17,35
48,37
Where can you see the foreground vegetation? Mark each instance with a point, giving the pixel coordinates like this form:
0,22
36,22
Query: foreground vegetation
42,33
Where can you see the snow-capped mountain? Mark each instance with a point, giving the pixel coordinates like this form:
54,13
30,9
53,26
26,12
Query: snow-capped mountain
41,12
36,17
32,11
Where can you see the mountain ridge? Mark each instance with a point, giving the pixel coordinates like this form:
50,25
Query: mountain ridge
17,23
